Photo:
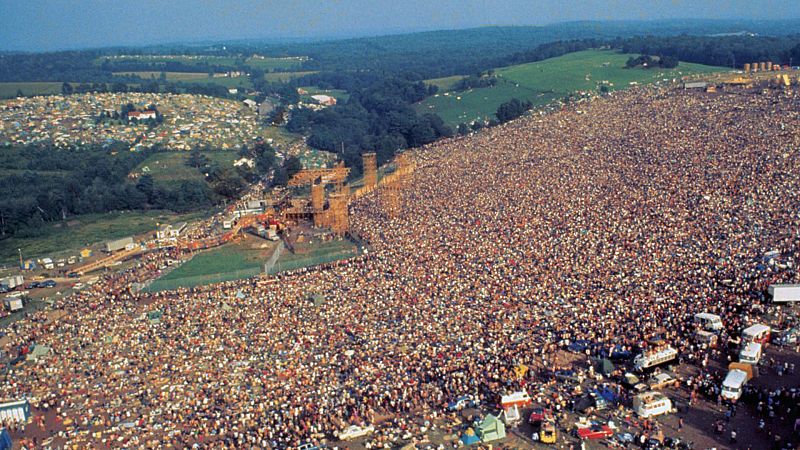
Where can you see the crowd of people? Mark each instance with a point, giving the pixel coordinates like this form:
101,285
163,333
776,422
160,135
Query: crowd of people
614,222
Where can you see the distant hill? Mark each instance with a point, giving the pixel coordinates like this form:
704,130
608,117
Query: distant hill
434,54
544,81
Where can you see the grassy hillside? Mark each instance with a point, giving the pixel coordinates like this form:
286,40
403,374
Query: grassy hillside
544,81
170,167
66,238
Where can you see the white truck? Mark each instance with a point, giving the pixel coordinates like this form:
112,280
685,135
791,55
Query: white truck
750,353
784,293
733,383
708,321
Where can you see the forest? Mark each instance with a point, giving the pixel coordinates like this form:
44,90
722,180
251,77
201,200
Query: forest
41,184
382,75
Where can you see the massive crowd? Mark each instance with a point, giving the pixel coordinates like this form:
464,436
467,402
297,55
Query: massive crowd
72,120
614,225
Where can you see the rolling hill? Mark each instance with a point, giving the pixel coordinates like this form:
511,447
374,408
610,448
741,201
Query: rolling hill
544,81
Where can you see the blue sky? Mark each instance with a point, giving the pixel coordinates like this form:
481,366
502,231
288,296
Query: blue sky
56,24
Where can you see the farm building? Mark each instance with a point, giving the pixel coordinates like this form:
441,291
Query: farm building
325,100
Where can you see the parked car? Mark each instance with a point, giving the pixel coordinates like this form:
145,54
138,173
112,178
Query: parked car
595,431
465,401
47,284
786,337
632,383
662,380
540,414
355,431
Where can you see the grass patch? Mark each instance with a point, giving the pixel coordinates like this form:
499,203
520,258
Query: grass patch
171,168
446,83
316,254
68,237
339,94
10,90
171,76
268,63
282,77
543,81
229,262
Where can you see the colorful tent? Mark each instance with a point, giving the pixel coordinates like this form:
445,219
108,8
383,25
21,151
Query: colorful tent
469,438
491,429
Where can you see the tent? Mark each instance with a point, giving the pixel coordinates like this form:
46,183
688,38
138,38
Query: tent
491,429
605,366
316,298
583,403
39,351
5,440
469,437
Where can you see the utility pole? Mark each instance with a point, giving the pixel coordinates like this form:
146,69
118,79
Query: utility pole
20,257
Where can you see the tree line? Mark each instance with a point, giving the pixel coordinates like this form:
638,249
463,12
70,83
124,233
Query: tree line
41,184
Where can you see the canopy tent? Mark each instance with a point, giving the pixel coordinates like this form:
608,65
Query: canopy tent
469,437
605,366
491,429
39,351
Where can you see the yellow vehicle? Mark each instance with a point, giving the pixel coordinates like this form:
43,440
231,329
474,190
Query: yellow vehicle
548,434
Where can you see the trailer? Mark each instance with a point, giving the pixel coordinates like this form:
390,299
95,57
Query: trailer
15,412
119,244
784,293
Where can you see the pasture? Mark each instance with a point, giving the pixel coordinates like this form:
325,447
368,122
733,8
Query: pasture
69,236
171,168
171,76
11,89
543,81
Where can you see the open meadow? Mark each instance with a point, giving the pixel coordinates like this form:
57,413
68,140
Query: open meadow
171,167
69,236
544,81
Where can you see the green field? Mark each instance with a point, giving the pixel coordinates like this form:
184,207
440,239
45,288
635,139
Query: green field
171,76
266,63
275,63
339,94
282,77
9,90
170,167
320,253
68,237
229,82
446,83
185,59
229,262
544,81
235,261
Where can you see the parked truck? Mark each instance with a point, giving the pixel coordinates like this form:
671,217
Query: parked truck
784,293
119,244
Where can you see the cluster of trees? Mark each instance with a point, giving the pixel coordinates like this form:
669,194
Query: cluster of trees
378,117
512,109
647,61
43,184
729,51
480,80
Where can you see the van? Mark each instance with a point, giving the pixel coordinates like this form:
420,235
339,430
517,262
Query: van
708,321
520,399
655,358
707,338
750,353
733,383
651,404
756,333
